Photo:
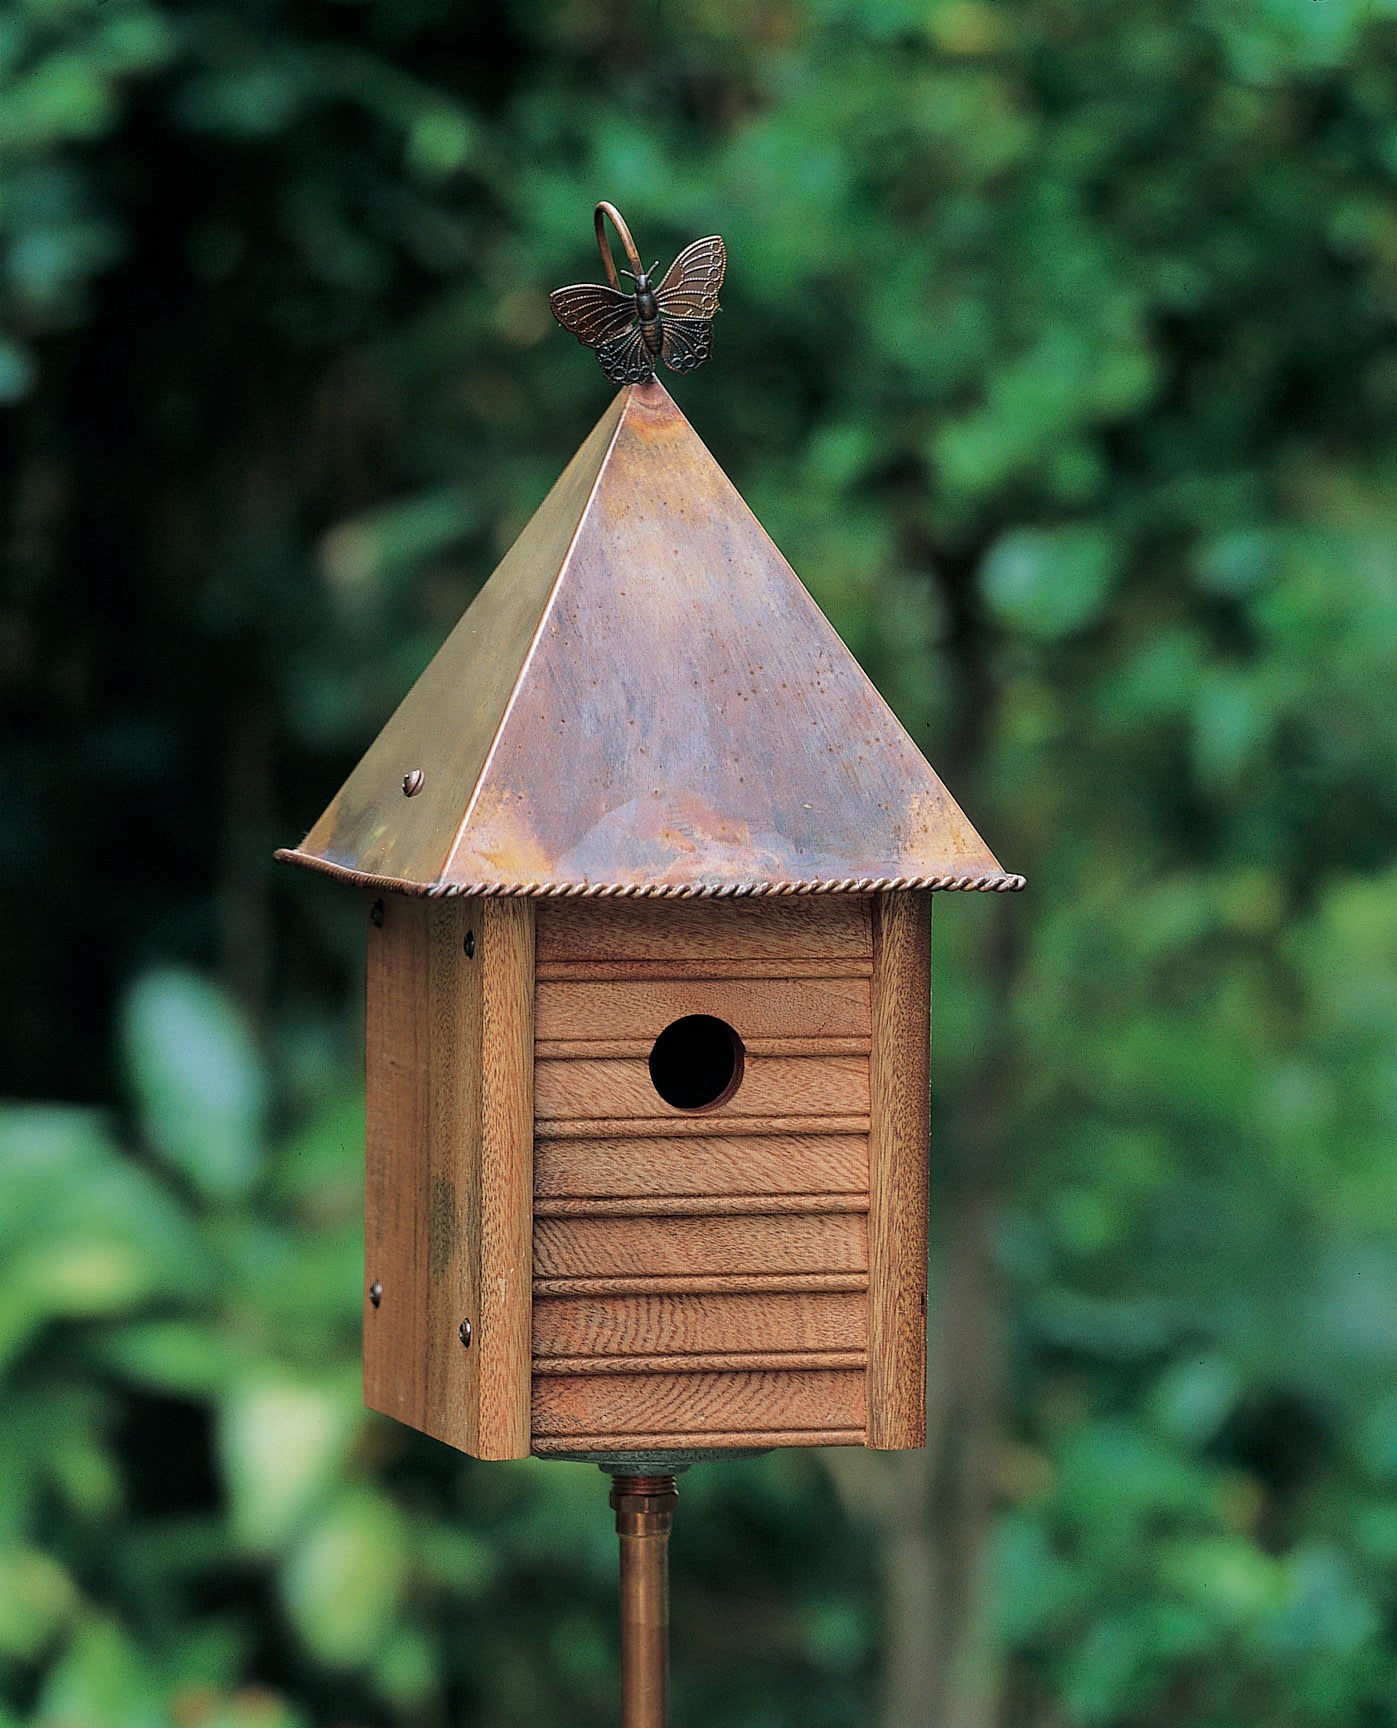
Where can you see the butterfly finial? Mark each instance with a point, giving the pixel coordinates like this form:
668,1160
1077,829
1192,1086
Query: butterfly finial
630,331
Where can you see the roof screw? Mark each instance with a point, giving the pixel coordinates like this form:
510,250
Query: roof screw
375,1292
412,783
464,1333
470,944
376,914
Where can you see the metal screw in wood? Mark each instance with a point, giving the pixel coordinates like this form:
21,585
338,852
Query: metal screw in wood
644,1507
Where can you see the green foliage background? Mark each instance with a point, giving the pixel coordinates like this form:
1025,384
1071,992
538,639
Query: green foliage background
1058,354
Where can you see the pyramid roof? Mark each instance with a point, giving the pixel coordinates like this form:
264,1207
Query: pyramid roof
644,699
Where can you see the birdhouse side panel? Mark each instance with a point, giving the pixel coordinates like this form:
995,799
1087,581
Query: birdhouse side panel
449,1071
701,1236
898,1169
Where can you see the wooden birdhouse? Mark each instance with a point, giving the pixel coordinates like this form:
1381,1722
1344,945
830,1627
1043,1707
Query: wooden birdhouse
650,865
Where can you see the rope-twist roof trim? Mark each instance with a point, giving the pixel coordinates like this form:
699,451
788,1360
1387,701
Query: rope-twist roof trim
996,882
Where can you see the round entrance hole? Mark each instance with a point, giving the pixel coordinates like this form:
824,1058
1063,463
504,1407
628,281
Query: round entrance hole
696,1062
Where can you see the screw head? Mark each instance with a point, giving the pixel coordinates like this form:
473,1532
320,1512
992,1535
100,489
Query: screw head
375,1292
463,1331
376,914
470,944
412,783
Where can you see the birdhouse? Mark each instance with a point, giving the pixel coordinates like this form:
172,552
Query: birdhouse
650,865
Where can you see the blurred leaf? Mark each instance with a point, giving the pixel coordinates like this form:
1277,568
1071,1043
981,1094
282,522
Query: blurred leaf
1326,1609
200,1085
16,372
100,1682
344,1581
1227,1577
1194,1398
180,1357
36,1598
1050,583
1377,1437
83,1231
283,1443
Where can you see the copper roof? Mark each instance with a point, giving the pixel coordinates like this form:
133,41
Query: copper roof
644,699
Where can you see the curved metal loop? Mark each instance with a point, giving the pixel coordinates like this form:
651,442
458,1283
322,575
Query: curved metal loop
609,213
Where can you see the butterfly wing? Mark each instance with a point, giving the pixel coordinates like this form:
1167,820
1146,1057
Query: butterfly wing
594,314
686,342
691,284
625,359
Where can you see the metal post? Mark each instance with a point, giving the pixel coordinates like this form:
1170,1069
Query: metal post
644,1507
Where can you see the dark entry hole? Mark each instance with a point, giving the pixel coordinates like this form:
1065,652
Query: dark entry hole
696,1062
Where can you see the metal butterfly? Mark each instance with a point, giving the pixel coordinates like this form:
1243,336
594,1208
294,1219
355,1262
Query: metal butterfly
673,322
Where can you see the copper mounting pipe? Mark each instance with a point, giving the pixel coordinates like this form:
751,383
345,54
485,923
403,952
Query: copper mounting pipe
644,1507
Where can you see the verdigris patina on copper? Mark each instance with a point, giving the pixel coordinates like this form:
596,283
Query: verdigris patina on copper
644,699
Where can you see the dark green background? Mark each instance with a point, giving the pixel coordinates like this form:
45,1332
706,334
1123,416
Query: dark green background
1058,355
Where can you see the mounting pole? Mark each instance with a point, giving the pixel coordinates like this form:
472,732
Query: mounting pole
644,1507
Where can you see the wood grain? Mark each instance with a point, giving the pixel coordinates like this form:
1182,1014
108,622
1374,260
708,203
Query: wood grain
697,1205
771,1085
762,1439
763,929
702,1273
632,1247
638,1049
620,1404
764,1008
505,959
709,1362
636,1325
422,1024
703,1164
696,969
448,1194
898,1152
698,1283
696,1125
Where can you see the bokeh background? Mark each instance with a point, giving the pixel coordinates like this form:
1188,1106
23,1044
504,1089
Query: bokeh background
1058,354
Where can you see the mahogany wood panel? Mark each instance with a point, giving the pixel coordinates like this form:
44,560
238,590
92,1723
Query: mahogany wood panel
449,1179
623,1404
567,1326
794,928
898,1149
766,1008
771,1085
630,1247
686,1125
703,1164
